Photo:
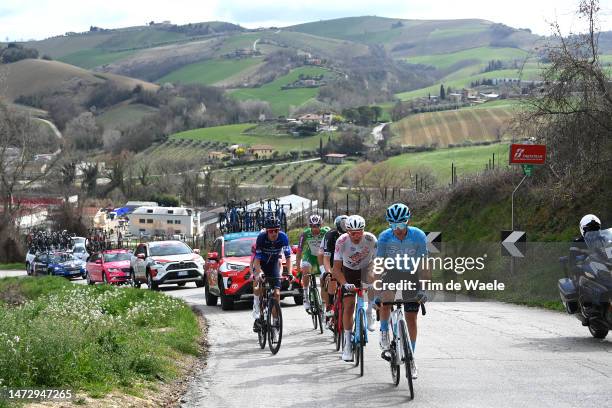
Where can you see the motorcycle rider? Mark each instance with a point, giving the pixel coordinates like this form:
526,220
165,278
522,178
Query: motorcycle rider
588,223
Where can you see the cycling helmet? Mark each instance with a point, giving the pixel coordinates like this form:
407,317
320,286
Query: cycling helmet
589,223
355,222
398,213
340,222
271,222
314,219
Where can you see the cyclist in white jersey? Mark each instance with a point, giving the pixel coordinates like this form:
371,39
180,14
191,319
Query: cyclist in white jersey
354,253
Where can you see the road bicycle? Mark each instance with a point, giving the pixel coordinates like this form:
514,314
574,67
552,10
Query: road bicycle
336,319
360,331
400,350
316,304
270,321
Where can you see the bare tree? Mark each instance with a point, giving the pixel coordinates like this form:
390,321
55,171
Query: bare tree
572,111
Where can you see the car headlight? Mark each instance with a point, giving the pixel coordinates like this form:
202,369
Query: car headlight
231,267
114,270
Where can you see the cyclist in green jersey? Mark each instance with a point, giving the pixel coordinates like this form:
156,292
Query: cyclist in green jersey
309,253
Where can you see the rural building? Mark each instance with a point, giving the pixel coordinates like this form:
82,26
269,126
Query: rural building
261,151
489,96
335,158
132,205
215,155
455,97
165,221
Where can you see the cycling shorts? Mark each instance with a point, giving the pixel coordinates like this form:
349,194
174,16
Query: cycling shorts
352,276
273,272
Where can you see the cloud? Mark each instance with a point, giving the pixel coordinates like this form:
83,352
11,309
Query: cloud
23,19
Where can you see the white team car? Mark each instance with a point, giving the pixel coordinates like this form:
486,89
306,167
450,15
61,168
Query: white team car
166,262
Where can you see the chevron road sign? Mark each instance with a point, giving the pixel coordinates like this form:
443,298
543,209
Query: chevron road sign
514,243
434,241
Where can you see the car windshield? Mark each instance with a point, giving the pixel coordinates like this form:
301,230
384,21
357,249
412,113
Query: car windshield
78,250
59,258
175,248
116,257
239,247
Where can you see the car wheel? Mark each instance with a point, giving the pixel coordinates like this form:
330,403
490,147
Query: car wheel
88,277
227,301
150,283
135,284
211,300
200,283
298,299
181,284
104,279
28,271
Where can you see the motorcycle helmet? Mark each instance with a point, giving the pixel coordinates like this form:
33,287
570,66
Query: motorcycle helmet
589,223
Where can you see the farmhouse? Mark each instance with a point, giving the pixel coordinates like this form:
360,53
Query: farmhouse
335,158
261,150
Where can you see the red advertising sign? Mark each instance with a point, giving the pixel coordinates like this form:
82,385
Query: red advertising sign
527,154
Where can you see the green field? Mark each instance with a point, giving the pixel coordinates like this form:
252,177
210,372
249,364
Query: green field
480,55
280,100
285,174
209,72
94,57
526,74
234,134
467,160
124,115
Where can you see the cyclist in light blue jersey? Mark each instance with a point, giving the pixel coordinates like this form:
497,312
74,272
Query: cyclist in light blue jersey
401,239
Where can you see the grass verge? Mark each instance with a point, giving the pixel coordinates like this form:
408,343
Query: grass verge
12,266
93,340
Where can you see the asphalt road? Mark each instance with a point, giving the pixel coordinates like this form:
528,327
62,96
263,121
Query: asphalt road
470,354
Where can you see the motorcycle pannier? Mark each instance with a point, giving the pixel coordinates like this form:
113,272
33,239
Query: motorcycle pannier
569,295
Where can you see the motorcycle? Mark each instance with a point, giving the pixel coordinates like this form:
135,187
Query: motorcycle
586,292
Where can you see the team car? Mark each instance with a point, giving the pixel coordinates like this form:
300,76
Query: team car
112,266
58,264
228,272
166,262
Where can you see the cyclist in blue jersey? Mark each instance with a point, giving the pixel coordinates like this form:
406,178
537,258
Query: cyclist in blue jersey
268,248
401,239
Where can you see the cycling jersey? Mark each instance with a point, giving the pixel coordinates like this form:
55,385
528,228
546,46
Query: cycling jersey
310,245
355,256
328,244
414,245
268,252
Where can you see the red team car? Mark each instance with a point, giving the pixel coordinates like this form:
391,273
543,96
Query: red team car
228,271
112,266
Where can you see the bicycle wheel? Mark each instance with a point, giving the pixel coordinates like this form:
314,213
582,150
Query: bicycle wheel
338,335
407,351
395,368
362,341
355,338
263,327
318,307
275,327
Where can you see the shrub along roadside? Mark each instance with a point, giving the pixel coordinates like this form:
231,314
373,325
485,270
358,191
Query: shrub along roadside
90,339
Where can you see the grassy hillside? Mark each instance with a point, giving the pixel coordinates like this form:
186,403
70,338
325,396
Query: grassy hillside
27,77
280,100
124,115
477,55
209,72
467,160
452,127
94,57
235,134
460,81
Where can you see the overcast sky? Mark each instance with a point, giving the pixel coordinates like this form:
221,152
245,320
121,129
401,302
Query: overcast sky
38,19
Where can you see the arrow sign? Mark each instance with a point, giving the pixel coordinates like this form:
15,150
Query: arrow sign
433,239
514,243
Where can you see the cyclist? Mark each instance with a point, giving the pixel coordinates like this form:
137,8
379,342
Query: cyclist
328,245
354,253
268,248
307,256
401,239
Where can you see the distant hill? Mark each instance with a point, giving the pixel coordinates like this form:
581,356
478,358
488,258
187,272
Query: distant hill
35,76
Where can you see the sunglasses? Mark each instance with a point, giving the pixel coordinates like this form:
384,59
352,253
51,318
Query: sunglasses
398,225
273,231
354,232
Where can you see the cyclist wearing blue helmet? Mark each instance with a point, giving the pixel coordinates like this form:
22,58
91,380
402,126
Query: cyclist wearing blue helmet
268,248
401,239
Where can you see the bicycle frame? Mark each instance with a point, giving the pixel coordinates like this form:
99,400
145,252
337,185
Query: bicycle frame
361,305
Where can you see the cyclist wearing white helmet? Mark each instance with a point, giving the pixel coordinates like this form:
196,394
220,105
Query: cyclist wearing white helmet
308,253
353,255
400,239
